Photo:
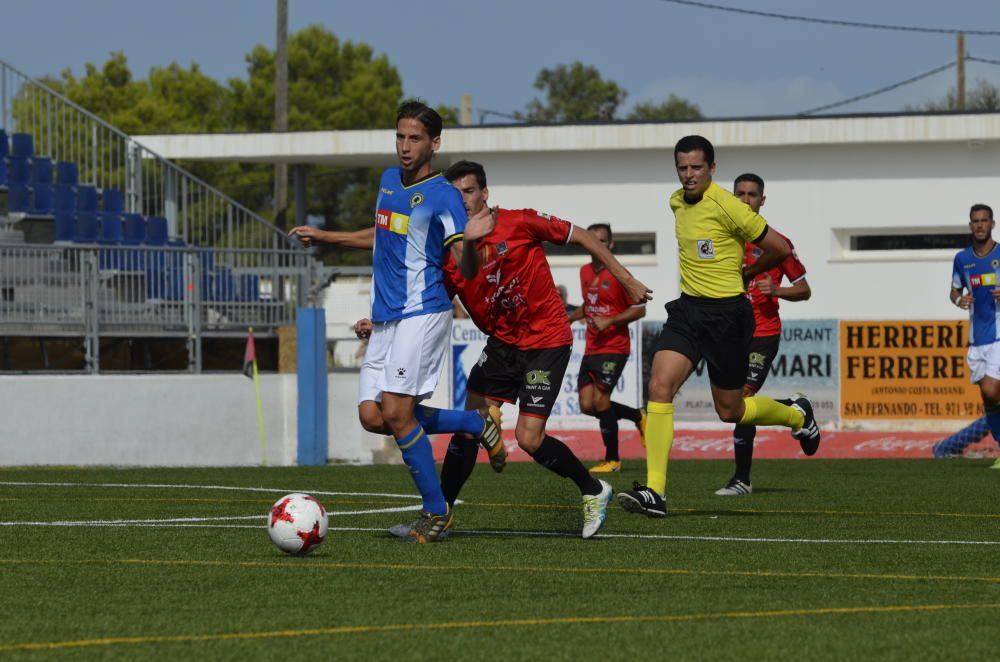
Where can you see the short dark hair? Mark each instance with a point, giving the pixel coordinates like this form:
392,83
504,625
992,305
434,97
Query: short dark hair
981,207
750,177
692,144
601,226
463,168
418,110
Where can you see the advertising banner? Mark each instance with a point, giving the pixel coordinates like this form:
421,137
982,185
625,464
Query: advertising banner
467,343
906,370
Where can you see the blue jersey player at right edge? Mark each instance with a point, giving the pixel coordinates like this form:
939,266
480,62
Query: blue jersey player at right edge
419,219
974,287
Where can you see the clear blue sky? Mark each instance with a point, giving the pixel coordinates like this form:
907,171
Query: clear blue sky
730,65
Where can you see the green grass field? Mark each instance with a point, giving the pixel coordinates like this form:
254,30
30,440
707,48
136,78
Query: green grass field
826,560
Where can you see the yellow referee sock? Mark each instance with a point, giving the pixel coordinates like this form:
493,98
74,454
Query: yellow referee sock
659,439
765,411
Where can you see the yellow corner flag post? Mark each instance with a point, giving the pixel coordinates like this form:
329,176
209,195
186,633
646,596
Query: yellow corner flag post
250,370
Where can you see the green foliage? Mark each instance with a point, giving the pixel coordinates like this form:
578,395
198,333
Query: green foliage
574,93
674,108
984,96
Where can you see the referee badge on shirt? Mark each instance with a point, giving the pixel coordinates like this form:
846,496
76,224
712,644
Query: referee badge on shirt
706,249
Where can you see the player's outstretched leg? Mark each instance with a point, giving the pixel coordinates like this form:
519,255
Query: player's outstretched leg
953,445
760,410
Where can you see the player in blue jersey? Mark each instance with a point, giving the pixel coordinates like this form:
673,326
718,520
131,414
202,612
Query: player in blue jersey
974,287
419,218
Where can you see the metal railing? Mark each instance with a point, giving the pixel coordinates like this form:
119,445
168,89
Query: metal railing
94,291
108,158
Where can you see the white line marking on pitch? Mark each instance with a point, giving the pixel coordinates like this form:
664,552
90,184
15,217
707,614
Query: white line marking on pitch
211,487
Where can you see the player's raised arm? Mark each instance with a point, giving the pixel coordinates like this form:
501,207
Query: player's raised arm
310,236
775,250
636,290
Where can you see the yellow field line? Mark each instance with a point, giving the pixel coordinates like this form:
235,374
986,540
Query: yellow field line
468,625
411,567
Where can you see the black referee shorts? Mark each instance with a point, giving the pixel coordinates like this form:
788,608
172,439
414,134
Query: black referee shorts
718,330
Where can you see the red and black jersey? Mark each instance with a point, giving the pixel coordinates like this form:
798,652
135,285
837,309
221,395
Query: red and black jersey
603,296
513,297
765,308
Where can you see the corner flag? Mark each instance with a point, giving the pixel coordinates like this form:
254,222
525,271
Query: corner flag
250,370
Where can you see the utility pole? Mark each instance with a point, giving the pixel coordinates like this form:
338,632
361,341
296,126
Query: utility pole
465,110
281,112
960,67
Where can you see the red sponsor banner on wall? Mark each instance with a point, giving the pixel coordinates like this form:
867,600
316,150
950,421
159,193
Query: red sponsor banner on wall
906,370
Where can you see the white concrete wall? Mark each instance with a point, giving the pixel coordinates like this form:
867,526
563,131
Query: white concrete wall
167,420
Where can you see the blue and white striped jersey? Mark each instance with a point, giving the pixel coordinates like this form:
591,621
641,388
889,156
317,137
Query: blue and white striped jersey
979,276
414,226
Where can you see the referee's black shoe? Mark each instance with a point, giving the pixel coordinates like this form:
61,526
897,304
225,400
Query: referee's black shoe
643,501
808,434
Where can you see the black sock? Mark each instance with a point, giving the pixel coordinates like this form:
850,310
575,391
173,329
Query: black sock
609,433
556,456
459,462
625,412
743,436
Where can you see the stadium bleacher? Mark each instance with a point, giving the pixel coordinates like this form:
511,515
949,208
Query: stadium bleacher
80,213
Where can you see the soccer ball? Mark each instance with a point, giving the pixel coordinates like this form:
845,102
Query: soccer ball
297,524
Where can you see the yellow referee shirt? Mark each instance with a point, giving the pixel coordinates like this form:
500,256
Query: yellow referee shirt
712,235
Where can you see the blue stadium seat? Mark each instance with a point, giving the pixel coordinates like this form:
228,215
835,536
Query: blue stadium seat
18,170
4,145
18,198
86,227
64,198
113,200
67,173
111,228
41,170
249,287
65,225
42,200
22,144
156,231
135,230
165,275
86,198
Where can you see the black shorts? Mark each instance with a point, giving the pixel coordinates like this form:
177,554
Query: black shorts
601,370
718,330
763,349
530,377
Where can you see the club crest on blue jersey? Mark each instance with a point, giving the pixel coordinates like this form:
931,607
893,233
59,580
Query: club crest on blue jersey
417,198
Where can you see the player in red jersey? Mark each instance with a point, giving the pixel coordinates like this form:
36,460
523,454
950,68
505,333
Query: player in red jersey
608,311
514,300
764,291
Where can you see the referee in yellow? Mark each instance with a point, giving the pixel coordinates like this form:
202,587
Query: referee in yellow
712,319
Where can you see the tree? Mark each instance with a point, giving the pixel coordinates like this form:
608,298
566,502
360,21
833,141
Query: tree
984,96
674,108
574,93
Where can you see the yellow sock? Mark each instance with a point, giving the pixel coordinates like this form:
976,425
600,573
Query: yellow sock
765,411
659,439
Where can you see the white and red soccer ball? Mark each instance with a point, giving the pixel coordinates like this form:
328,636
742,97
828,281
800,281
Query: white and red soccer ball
297,524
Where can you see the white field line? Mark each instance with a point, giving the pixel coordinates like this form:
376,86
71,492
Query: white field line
207,521
210,487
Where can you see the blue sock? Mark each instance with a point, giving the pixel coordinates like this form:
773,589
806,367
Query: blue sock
993,420
418,456
956,443
436,421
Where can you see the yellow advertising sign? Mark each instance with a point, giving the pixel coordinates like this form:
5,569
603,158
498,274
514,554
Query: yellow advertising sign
906,370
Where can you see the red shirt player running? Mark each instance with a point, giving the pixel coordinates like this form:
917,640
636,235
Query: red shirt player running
514,300
608,310
764,291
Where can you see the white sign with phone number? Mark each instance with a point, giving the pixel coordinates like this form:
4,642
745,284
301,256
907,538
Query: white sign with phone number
467,343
